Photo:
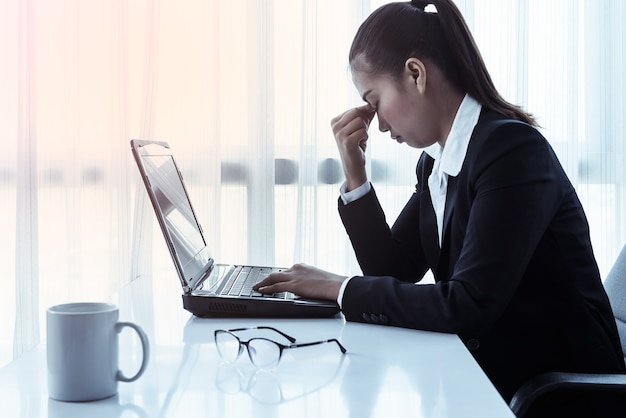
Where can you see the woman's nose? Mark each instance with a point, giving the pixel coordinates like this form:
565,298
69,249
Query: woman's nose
382,124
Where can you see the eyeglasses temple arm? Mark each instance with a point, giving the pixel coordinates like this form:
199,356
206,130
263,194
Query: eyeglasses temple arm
332,340
290,338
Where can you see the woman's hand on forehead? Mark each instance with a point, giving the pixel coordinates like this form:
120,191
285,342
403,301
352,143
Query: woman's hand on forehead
350,130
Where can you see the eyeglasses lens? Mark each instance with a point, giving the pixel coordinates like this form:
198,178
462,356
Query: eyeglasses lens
227,345
264,353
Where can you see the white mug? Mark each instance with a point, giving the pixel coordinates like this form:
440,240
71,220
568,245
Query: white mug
83,351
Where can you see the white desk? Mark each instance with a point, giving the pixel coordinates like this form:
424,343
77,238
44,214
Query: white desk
387,372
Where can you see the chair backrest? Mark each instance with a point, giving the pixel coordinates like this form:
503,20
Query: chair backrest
615,285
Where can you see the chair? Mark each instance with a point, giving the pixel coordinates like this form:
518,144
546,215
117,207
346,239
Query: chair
615,285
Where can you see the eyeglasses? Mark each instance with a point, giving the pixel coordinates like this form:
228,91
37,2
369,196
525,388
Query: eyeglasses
264,353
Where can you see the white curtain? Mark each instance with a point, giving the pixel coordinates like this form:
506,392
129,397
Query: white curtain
244,92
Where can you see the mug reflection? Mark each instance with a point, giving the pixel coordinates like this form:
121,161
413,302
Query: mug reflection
106,408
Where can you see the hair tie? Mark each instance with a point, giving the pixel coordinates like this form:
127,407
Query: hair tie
421,5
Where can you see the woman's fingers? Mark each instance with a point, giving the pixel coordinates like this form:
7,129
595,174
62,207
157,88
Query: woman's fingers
350,130
303,280
353,120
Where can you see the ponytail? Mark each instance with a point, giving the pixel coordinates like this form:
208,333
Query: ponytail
397,31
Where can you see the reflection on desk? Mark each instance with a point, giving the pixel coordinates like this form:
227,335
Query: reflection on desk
386,372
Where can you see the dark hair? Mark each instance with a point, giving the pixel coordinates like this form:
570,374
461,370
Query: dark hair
397,31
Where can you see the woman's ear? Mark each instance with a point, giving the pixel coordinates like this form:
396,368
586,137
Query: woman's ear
415,70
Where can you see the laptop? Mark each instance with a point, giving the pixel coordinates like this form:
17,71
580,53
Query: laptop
209,288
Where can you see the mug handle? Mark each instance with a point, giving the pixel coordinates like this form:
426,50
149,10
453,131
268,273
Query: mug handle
145,348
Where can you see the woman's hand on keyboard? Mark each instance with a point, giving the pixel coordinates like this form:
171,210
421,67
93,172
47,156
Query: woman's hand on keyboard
303,280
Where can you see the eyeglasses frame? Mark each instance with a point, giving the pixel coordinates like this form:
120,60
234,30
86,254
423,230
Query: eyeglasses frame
281,347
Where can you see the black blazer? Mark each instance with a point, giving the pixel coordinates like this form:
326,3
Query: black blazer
516,277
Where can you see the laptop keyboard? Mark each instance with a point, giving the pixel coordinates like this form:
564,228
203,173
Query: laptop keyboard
242,279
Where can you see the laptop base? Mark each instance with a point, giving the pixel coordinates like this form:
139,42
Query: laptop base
210,306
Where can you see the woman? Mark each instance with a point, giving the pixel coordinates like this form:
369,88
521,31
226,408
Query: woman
494,216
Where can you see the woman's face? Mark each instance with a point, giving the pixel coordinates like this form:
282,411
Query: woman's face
401,106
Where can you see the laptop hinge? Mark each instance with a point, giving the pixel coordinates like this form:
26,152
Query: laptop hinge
188,289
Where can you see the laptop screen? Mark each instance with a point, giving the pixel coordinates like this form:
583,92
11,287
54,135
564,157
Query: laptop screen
174,211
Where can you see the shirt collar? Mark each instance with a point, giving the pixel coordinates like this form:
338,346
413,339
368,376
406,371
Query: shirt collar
453,154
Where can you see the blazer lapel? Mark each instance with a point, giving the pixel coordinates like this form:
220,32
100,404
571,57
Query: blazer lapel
428,228
441,268
428,221
449,209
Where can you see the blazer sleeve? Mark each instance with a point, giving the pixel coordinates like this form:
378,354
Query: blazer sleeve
509,190
384,251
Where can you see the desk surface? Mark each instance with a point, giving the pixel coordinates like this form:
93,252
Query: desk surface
386,372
